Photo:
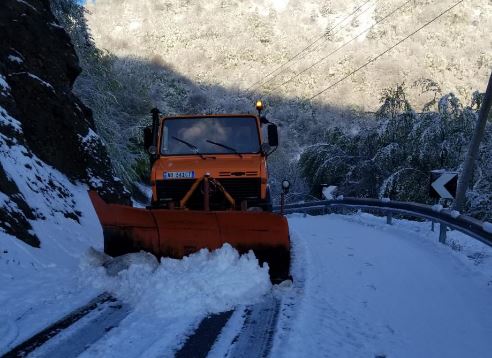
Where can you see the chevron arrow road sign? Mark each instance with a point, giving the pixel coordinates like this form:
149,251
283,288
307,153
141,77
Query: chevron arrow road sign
443,184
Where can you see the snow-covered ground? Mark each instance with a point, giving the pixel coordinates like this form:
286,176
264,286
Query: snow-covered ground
361,289
167,300
365,289
170,301
39,285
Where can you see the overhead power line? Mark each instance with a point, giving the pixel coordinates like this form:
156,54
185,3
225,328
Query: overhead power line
386,51
342,46
318,47
264,79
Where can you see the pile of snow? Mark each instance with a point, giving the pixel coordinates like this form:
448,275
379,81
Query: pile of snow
437,208
202,283
455,214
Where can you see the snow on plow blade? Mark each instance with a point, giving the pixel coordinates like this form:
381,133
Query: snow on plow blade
177,233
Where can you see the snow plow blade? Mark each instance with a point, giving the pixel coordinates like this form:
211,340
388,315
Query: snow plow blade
177,233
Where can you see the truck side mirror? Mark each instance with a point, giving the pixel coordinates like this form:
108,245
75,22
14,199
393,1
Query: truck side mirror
147,137
272,135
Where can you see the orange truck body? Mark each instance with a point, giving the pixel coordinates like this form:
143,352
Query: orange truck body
235,211
244,176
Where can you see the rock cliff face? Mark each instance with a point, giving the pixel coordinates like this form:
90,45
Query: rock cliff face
43,125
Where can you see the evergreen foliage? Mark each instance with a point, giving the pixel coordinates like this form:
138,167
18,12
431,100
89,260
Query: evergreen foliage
385,154
394,159
119,100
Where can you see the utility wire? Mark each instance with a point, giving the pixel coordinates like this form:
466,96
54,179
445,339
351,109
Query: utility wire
386,51
342,46
318,47
263,81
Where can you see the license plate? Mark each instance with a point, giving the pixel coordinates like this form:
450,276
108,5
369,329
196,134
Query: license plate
179,175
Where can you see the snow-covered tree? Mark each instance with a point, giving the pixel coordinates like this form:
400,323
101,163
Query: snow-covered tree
394,158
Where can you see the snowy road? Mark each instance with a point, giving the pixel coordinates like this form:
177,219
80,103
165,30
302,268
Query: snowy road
361,289
365,289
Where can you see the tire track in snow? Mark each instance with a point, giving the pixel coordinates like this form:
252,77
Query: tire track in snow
256,336
248,331
201,342
71,335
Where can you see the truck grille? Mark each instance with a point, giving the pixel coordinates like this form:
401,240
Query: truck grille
239,188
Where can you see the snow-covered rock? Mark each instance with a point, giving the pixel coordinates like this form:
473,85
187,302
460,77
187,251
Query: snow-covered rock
46,138
4,86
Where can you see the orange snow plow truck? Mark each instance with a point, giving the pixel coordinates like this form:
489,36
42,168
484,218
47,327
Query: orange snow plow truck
209,187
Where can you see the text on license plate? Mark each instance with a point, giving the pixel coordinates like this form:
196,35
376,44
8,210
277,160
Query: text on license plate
179,175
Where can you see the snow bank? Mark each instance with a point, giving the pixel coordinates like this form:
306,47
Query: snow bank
367,289
202,283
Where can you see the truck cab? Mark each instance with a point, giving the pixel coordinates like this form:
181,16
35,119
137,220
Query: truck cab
226,149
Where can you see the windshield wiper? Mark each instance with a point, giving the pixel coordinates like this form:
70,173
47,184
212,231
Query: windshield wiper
225,146
189,145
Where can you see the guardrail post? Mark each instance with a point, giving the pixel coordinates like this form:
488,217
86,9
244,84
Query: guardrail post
389,218
442,233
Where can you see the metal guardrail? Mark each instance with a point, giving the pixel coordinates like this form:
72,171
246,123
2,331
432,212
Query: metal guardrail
445,217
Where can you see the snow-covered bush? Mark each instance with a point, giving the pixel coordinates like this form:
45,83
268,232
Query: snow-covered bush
394,158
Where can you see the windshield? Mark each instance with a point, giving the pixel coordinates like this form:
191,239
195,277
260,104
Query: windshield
210,135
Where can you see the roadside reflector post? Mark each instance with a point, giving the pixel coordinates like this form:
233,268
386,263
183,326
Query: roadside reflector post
442,233
389,218
285,190
206,192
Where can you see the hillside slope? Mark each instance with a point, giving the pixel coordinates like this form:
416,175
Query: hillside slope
47,141
233,44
